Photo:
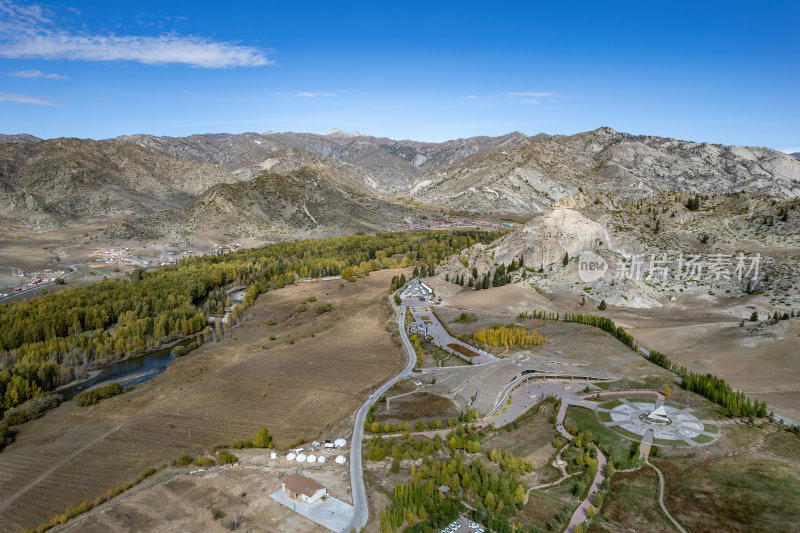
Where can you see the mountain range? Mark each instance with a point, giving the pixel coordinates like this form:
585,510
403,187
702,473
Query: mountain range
274,186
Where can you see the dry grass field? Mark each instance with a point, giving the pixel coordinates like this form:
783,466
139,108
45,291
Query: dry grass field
305,384
181,501
700,332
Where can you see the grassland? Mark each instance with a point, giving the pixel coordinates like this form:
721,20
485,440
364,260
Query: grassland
532,439
305,384
632,505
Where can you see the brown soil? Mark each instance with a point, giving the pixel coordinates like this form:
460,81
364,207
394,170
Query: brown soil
463,351
220,393
416,406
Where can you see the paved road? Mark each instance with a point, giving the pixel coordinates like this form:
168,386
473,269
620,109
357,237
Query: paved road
13,295
361,511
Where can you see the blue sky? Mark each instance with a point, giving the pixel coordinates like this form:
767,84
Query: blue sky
722,71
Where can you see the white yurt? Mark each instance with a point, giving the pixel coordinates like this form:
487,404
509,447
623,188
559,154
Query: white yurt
339,443
340,459
320,459
273,455
311,458
290,456
301,458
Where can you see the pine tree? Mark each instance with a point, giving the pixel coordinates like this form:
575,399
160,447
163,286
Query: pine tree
565,262
603,306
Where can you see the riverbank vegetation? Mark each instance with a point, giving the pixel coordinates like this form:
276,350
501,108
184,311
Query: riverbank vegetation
49,340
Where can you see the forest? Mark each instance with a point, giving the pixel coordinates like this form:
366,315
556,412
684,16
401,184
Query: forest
51,339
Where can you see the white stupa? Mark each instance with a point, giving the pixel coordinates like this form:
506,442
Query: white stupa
658,414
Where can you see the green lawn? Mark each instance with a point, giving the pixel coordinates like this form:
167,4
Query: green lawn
610,440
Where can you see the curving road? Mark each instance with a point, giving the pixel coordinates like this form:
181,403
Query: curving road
361,510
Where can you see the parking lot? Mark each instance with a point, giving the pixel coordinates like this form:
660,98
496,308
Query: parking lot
462,525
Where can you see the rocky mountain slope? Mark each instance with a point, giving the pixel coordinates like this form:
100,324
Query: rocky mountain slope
58,182
386,165
314,200
653,249
532,174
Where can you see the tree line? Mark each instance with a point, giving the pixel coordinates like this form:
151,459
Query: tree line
509,336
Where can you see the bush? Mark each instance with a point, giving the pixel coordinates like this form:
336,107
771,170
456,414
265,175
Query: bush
178,351
224,457
323,308
183,460
204,461
30,410
59,281
398,300
91,397
216,514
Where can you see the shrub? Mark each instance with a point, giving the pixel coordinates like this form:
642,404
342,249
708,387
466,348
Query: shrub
216,514
323,308
30,410
204,461
178,351
184,460
224,457
91,397
262,439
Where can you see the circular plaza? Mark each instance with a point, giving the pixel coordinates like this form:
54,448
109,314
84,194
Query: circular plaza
666,424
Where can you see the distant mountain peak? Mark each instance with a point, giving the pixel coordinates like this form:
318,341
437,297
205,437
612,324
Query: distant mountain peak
336,132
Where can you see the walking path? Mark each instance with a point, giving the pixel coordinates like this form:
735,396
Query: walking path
661,490
561,465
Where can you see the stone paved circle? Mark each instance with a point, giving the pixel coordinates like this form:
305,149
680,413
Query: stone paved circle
682,425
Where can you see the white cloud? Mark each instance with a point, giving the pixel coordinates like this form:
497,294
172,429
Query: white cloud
531,94
307,94
534,97
23,99
28,32
470,96
37,74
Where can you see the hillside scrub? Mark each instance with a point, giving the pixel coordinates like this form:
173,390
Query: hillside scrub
46,341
